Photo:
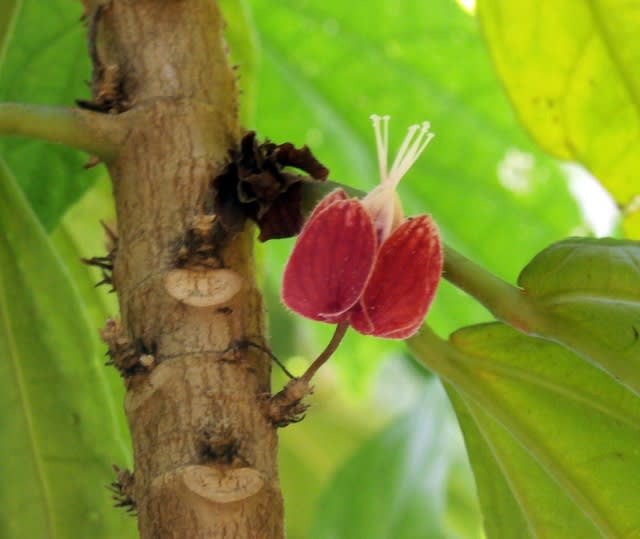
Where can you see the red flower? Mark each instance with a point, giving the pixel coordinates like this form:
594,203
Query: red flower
361,261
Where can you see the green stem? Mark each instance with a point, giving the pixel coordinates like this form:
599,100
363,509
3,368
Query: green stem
97,134
506,302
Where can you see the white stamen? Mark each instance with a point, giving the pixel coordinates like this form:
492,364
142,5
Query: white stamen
414,143
403,149
411,155
382,142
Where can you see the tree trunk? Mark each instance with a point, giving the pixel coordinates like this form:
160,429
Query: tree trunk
205,452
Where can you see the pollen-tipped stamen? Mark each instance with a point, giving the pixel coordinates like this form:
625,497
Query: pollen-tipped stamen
400,155
382,142
417,139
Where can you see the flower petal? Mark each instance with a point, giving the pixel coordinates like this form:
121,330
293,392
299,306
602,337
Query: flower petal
403,282
333,196
331,260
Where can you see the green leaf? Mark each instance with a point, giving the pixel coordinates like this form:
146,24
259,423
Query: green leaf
587,297
396,484
7,19
46,62
338,63
570,69
553,439
503,516
80,235
311,452
329,65
241,34
58,431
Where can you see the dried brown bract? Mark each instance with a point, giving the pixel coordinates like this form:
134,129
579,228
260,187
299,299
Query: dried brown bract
105,263
221,448
256,185
107,85
287,406
122,489
201,245
129,358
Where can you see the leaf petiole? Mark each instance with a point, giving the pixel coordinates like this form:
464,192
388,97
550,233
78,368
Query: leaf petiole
95,133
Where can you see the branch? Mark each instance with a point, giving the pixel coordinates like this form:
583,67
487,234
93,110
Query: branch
205,452
97,134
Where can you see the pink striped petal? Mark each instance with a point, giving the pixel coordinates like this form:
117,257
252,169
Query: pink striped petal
333,196
403,282
331,260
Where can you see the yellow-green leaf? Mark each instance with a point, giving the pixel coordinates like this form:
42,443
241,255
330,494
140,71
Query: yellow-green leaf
570,68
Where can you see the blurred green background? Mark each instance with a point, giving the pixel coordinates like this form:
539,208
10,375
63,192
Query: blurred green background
380,454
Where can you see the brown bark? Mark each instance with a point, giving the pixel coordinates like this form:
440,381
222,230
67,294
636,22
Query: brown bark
205,453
